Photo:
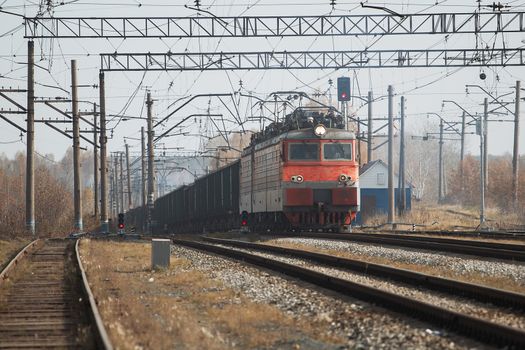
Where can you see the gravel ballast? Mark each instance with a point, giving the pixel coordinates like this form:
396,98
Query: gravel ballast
459,264
364,325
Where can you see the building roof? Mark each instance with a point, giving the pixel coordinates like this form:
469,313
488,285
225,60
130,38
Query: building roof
369,165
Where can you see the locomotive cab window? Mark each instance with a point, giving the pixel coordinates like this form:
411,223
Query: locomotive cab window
337,151
303,151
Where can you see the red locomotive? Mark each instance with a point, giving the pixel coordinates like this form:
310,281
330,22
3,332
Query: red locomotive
304,177
298,174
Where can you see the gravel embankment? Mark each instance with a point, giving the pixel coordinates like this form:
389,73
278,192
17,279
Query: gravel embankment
460,265
364,325
458,304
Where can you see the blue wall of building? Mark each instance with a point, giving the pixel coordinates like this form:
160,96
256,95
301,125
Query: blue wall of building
381,201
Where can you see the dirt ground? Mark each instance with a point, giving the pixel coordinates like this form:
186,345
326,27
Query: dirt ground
451,217
178,307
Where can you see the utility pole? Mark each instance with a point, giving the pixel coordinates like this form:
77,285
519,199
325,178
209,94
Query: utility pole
370,128
77,191
485,143
129,176
359,142
440,167
515,152
151,173
30,140
115,185
95,161
462,154
391,204
402,193
481,167
104,225
121,182
143,177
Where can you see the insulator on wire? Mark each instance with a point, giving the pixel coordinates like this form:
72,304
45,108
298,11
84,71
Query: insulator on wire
197,3
332,3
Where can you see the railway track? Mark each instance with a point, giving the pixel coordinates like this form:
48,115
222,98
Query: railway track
503,251
477,328
478,292
45,304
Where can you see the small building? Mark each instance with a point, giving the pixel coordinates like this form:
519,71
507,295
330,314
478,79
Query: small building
373,181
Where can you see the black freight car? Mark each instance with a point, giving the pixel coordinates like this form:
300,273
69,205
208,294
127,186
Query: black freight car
211,201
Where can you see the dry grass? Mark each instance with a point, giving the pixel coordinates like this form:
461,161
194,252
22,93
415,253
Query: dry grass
451,217
495,282
9,249
179,307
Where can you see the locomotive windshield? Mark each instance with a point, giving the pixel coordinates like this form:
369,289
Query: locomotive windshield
303,151
337,151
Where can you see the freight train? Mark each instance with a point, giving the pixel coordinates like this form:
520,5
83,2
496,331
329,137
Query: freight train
301,173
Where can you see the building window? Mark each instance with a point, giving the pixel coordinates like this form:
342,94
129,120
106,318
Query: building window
380,178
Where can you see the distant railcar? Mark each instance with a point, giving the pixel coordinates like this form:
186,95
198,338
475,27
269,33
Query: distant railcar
299,174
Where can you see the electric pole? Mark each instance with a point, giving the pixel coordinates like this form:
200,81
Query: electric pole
462,155
77,191
402,194
151,173
121,182
370,128
95,161
481,167
128,176
515,152
115,185
104,225
391,204
440,165
143,177
485,154
30,141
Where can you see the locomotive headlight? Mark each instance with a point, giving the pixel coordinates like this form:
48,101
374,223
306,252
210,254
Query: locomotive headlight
343,178
297,178
319,130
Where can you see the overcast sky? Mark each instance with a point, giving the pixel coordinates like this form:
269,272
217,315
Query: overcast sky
424,88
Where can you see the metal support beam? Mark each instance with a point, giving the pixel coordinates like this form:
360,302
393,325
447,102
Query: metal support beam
273,26
312,59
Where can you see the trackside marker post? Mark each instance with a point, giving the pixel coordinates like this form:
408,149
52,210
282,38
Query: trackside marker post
160,253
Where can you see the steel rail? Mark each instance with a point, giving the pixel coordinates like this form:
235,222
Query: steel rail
14,262
510,234
484,244
44,307
481,293
102,337
473,327
436,245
